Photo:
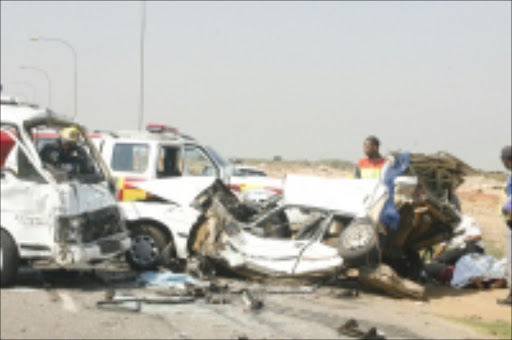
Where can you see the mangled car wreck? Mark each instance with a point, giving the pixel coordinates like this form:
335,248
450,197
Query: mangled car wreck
320,226
52,214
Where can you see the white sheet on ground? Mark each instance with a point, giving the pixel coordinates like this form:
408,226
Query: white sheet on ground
475,265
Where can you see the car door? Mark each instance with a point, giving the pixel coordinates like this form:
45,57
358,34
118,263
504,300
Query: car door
29,200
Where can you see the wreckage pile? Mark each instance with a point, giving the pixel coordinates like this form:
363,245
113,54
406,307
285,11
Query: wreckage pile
426,219
440,173
428,215
436,210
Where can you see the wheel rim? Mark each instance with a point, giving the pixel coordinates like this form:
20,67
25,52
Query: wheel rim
144,250
356,238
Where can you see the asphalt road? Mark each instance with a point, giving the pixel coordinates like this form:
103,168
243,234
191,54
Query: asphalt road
64,306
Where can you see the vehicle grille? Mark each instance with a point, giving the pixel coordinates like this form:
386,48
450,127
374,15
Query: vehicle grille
101,223
109,246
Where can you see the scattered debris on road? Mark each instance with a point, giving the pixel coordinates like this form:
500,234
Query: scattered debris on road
385,279
351,329
251,302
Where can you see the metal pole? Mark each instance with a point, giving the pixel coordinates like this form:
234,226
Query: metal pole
142,32
47,78
75,72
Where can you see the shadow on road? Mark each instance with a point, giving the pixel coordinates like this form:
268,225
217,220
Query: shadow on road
85,280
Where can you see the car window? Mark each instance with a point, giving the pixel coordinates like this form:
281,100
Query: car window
169,162
250,172
130,157
197,163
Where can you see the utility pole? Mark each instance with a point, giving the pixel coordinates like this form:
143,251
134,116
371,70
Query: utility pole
142,33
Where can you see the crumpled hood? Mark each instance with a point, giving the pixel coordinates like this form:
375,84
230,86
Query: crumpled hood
352,196
79,198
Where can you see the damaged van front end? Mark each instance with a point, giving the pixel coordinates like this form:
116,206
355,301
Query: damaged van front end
53,215
92,233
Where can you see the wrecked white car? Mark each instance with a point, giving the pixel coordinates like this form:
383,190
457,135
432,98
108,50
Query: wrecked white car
367,222
201,216
50,214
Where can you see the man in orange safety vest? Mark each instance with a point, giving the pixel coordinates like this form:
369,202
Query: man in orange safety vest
369,167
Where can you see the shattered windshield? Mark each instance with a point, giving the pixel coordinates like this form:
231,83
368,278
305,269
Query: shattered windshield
66,154
227,166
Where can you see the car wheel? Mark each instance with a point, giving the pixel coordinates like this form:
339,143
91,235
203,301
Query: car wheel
148,243
358,243
9,259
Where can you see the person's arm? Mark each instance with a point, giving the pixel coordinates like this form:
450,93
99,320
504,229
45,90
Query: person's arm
472,230
49,154
85,162
474,238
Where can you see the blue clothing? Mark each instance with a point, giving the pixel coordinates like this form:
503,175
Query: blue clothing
506,208
508,189
389,215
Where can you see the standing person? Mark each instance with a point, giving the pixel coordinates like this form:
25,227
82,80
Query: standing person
506,210
369,167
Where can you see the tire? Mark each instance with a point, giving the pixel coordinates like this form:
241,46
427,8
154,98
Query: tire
358,243
148,244
9,259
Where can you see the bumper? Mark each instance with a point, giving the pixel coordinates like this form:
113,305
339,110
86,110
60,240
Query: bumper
92,253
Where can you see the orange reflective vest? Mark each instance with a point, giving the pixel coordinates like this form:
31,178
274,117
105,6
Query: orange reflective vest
369,168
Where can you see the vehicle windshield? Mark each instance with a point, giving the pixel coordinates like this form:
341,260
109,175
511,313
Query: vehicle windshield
66,153
229,168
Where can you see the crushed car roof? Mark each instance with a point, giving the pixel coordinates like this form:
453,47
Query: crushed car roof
18,115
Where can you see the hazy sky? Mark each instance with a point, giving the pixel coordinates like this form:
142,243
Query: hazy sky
296,79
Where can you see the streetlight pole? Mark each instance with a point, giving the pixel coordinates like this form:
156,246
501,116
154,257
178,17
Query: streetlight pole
32,88
142,32
75,73
47,78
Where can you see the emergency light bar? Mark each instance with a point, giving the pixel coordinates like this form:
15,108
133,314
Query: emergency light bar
161,128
